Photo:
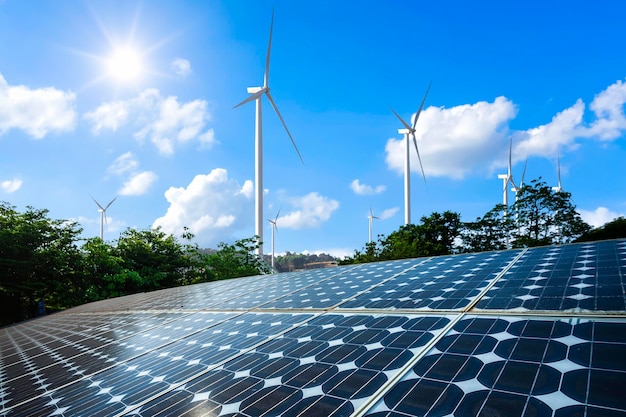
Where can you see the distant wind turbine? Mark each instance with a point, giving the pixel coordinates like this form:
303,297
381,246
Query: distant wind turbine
507,179
408,131
103,215
257,94
558,188
274,228
371,217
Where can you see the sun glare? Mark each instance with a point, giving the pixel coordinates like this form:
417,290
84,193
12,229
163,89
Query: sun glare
125,65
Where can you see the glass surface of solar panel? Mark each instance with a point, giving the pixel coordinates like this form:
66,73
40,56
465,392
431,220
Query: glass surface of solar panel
332,342
515,366
342,285
442,283
588,277
327,366
115,383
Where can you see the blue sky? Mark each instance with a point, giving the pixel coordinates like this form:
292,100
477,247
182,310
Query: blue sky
168,143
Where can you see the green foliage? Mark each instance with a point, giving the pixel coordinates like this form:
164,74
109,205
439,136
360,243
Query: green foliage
434,236
614,229
291,261
491,232
543,216
39,259
232,261
158,258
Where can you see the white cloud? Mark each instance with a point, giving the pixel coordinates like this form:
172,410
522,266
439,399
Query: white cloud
547,139
10,186
163,120
212,207
363,189
389,213
138,183
567,125
37,112
455,141
312,210
338,253
182,67
109,116
124,163
608,107
599,216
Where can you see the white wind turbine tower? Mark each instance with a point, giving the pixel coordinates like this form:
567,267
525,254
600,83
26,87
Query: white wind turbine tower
257,94
274,228
408,131
558,188
371,217
103,215
507,179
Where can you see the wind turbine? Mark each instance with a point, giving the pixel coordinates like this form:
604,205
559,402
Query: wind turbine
103,215
371,217
274,228
257,94
558,188
507,179
408,131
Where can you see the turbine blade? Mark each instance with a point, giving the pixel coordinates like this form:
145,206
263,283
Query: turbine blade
108,205
94,200
418,157
524,172
267,57
510,152
417,115
277,214
406,125
252,97
558,161
269,97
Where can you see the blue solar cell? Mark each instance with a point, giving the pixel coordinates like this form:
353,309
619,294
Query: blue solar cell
442,283
516,366
583,277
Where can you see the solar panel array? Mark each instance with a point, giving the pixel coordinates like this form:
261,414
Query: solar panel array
532,332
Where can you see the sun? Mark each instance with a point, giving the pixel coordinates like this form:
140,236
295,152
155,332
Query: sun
124,64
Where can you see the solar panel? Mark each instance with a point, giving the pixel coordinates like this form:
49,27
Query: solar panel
587,277
515,366
442,283
537,331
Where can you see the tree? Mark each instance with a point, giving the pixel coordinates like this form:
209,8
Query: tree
39,260
232,261
158,259
545,217
105,267
491,232
436,235
614,229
